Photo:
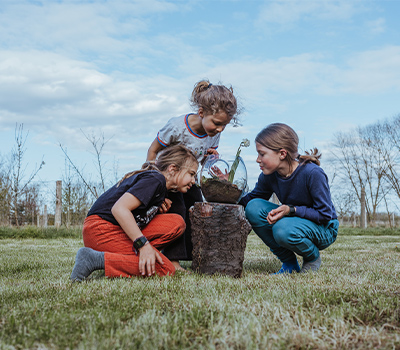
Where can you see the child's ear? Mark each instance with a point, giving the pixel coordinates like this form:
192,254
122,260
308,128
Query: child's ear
282,154
172,168
200,112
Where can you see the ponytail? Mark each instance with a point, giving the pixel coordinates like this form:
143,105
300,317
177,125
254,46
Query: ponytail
310,157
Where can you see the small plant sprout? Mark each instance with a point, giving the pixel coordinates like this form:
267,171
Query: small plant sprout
244,143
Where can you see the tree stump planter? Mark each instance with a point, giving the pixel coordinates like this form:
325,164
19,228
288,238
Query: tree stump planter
219,236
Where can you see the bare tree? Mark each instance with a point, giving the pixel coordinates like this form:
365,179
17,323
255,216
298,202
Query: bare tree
18,168
378,148
361,165
98,143
30,204
346,203
5,192
392,156
88,185
76,198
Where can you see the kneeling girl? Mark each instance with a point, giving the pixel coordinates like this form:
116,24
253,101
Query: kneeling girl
127,225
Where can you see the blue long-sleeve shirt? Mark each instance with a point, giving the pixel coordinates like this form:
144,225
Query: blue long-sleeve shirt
306,188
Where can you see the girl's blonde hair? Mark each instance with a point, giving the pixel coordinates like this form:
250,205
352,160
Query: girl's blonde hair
214,98
178,155
278,135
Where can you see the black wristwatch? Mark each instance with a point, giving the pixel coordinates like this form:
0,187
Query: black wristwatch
292,210
139,243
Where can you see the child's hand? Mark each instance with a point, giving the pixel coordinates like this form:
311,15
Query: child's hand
277,214
165,206
215,171
147,260
212,151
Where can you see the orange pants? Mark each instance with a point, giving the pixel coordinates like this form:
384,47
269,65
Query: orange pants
119,258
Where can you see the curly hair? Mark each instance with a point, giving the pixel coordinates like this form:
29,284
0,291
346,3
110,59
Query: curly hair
214,98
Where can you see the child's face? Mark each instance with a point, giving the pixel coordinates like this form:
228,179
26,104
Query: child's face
213,124
269,160
186,177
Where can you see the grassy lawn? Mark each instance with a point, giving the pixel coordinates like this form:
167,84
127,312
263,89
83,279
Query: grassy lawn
351,303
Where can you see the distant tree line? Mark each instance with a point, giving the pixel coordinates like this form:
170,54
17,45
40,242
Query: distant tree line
367,158
21,197
363,159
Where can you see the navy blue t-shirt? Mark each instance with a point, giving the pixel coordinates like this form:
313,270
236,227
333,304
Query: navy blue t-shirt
148,186
307,189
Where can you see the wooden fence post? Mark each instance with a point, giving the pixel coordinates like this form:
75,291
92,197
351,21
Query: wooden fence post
57,217
45,216
363,216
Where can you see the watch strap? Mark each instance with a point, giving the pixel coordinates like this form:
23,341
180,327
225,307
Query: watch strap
139,243
292,210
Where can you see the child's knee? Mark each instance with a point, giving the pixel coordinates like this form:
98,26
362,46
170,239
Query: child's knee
281,237
254,210
179,224
285,236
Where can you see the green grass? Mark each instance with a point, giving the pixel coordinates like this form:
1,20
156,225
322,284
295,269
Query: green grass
38,232
351,303
370,231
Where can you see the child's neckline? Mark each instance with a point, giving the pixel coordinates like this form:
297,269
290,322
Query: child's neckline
191,129
289,175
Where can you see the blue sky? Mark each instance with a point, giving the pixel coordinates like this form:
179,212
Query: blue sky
123,68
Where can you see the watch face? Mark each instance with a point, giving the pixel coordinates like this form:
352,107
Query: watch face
140,242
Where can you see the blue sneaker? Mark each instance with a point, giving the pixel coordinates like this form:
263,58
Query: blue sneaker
288,267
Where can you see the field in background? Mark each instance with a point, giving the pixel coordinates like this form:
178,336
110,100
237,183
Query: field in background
351,303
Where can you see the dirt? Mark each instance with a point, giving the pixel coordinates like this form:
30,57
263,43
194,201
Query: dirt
220,191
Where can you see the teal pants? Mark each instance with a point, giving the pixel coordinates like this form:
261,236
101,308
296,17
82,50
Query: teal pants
290,235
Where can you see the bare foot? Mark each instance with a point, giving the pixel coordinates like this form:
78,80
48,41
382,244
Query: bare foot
177,266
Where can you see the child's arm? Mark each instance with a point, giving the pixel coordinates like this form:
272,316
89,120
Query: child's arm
122,211
212,151
154,148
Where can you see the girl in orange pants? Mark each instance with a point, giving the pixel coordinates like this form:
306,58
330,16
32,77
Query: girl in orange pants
122,233
120,260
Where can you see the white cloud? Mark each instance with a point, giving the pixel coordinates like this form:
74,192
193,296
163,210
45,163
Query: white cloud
373,72
56,96
363,73
285,12
377,26
100,32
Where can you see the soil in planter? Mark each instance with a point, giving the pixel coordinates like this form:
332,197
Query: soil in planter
220,191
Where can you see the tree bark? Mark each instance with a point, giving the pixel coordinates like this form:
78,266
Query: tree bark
219,236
